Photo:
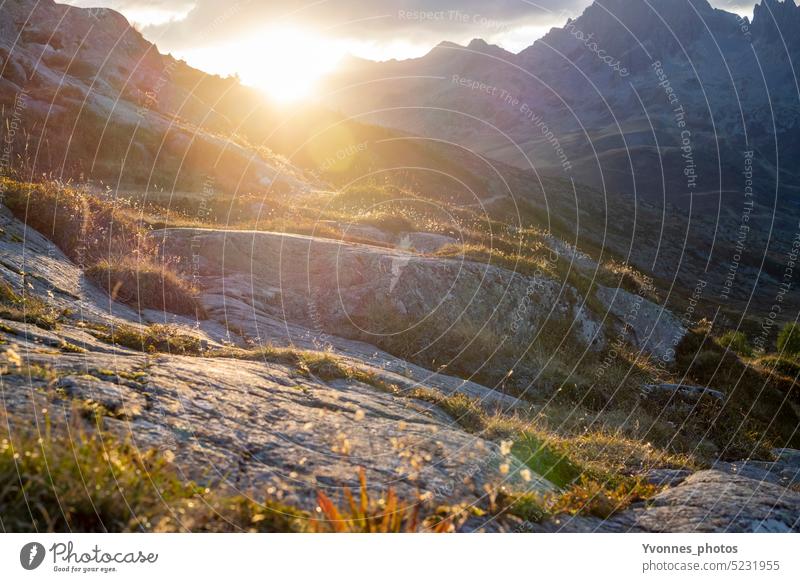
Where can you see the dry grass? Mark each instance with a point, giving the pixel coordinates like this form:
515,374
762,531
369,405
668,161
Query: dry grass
526,263
613,273
597,499
145,285
103,238
325,366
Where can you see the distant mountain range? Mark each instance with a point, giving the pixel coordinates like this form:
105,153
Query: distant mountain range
645,128
653,98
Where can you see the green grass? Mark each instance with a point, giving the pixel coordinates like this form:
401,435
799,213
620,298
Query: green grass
89,482
324,365
545,459
161,338
466,411
789,339
736,341
26,308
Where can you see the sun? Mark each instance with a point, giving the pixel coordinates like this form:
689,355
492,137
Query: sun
285,63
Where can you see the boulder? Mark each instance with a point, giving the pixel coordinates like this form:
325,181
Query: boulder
348,288
708,501
649,327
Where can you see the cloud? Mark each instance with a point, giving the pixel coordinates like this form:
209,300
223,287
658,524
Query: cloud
183,24
143,13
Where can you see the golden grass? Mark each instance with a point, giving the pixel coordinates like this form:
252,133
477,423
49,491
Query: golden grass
105,240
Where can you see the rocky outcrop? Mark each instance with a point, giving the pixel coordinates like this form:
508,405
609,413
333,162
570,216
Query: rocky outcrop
784,470
64,66
31,262
263,425
354,289
708,501
649,327
259,425
255,425
345,287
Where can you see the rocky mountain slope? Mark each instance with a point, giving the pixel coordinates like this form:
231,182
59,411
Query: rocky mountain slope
614,90
84,96
260,423
686,111
470,358
249,422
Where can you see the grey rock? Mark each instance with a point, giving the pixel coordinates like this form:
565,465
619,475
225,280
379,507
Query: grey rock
708,501
788,456
650,327
682,390
785,470
425,242
117,398
666,477
256,425
333,285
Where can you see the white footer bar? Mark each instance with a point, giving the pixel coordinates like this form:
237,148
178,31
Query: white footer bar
486,557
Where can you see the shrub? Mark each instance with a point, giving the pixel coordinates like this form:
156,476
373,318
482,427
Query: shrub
737,342
789,339
144,285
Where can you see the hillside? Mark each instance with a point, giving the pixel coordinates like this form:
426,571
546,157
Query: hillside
233,410
217,315
683,116
614,116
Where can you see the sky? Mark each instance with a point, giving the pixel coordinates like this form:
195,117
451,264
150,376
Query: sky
285,46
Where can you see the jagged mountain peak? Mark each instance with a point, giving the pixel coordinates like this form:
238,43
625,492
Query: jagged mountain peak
771,16
633,31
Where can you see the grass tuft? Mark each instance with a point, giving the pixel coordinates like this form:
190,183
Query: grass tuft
146,286
153,338
104,238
